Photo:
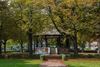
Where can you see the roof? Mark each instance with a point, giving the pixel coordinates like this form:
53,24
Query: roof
49,32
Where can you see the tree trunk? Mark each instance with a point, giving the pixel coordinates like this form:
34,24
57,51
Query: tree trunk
30,41
98,40
75,43
1,38
35,43
5,41
0,47
21,45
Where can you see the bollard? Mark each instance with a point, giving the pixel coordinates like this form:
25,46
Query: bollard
41,57
63,57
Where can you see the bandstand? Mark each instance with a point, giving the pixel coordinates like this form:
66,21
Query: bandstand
51,43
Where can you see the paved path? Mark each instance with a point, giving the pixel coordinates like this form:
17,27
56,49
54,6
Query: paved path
53,63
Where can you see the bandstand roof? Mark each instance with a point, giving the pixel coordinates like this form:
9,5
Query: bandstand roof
51,31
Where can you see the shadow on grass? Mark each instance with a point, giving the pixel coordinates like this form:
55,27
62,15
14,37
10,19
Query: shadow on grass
19,63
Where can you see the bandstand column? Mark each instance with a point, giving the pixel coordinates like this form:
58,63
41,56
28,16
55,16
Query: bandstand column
67,42
58,43
46,40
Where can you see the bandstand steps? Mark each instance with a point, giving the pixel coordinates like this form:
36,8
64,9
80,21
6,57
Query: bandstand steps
50,57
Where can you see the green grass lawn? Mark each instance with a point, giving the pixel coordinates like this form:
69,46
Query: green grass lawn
83,63
35,63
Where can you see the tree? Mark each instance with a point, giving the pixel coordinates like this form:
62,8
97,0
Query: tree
71,18
3,15
9,29
28,18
